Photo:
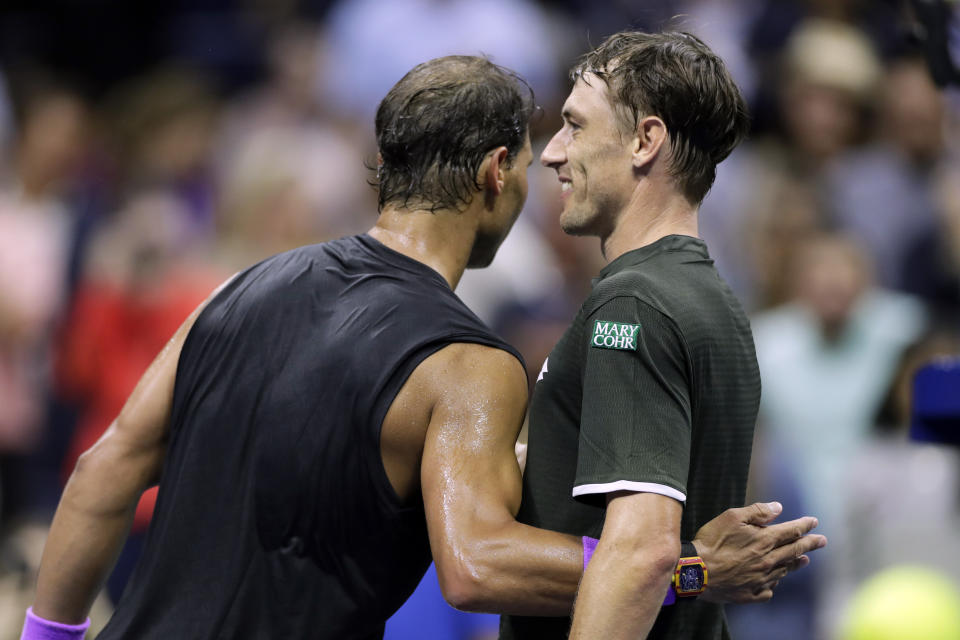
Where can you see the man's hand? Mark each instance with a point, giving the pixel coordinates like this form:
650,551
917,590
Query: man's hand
746,556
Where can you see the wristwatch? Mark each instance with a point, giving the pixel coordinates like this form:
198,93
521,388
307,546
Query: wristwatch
690,576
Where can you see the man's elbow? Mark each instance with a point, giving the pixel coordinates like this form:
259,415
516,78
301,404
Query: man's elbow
88,465
655,557
471,577
461,585
665,554
107,479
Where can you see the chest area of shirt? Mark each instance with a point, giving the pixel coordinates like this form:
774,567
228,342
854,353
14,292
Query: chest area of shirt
557,396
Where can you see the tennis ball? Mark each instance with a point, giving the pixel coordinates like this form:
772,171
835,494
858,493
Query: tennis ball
904,603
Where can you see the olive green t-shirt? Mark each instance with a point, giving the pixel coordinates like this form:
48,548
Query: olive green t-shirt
653,388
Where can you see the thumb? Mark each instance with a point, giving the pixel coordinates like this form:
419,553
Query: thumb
762,512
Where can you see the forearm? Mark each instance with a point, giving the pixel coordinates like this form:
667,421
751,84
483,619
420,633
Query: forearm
88,531
621,592
521,570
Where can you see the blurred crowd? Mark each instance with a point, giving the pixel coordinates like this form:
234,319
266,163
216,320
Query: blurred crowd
132,183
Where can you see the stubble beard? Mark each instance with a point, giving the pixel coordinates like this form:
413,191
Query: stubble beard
579,220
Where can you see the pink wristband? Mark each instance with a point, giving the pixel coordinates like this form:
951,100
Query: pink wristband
590,545
37,628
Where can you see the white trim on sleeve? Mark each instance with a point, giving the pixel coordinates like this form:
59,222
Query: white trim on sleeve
629,485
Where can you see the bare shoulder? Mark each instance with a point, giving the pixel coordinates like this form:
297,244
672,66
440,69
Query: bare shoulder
465,378
452,389
467,363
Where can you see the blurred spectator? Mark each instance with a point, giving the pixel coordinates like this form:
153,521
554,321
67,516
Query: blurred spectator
777,21
36,240
285,99
831,74
290,186
164,124
288,173
776,186
372,44
885,194
933,260
826,359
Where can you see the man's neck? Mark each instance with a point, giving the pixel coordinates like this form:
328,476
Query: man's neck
651,214
441,239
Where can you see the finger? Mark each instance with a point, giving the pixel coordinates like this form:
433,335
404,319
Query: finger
762,595
774,578
797,563
789,552
786,532
758,512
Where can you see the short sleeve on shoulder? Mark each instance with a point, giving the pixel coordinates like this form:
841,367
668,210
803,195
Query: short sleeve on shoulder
635,425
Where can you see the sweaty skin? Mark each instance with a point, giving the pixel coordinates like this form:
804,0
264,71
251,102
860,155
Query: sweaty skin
486,560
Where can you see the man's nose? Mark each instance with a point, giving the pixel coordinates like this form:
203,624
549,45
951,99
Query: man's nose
553,154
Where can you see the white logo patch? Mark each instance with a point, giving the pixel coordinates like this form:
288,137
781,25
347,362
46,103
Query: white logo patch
543,369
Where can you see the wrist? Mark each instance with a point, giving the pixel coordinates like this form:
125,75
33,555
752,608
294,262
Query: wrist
37,628
690,577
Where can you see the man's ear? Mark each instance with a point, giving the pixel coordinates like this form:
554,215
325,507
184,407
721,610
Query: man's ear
651,136
491,171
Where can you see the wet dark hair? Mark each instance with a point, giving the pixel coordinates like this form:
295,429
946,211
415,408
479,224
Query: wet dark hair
676,77
437,124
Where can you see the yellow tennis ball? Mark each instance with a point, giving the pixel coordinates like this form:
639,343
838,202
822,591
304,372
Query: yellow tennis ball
904,603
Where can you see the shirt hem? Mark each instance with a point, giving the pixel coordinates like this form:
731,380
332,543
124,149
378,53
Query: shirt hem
629,485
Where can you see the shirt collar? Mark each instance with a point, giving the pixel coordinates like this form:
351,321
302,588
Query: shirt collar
663,245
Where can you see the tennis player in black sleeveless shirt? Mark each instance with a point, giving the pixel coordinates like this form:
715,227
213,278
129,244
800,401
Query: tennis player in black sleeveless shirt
334,416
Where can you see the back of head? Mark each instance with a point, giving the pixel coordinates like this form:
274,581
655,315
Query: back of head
436,125
676,77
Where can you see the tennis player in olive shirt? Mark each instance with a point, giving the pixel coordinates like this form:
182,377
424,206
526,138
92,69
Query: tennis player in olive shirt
641,421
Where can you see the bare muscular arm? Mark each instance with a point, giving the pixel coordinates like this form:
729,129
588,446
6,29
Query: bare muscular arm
97,506
471,483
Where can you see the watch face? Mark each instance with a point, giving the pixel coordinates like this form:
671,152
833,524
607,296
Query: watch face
690,578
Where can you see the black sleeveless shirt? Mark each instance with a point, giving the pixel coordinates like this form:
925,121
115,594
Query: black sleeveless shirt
275,517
